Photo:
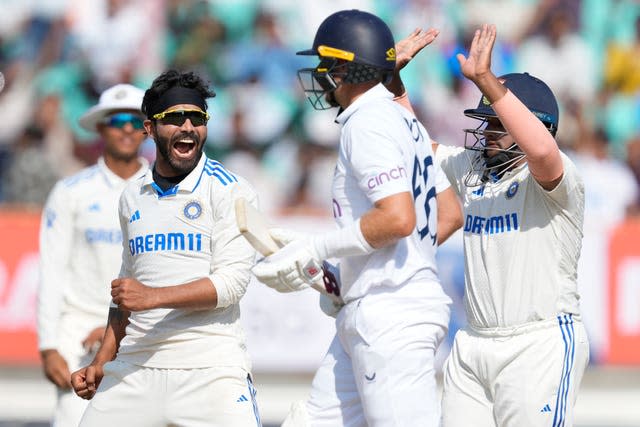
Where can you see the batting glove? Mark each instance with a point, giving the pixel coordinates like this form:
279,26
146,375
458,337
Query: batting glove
284,236
293,268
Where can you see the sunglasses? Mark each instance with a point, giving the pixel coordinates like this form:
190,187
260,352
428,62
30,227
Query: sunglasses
178,117
120,120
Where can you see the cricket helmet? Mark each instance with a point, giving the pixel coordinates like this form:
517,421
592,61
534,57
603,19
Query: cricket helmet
537,97
355,45
532,92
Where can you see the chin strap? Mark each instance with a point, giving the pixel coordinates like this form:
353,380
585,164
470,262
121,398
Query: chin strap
500,162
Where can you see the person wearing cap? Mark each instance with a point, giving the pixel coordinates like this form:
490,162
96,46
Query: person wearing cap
81,246
521,357
173,353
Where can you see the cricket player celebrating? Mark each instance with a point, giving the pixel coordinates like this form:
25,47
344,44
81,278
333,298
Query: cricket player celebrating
182,358
521,358
387,196
81,246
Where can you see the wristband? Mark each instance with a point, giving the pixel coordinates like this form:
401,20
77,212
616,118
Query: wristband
347,241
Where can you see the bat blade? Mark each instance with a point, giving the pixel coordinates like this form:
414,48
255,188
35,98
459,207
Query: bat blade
254,227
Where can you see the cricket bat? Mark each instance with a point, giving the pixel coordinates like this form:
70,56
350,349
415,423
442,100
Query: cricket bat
254,227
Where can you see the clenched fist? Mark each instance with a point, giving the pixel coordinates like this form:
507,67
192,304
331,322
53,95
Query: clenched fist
130,294
85,381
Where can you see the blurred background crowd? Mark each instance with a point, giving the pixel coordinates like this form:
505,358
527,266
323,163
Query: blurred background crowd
58,55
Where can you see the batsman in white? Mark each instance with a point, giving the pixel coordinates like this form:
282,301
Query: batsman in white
81,246
387,196
174,352
520,360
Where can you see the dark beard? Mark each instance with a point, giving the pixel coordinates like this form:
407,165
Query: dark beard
180,167
500,162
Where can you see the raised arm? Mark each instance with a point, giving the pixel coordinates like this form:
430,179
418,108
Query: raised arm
406,50
533,138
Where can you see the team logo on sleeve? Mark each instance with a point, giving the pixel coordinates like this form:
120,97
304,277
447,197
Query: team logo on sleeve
192,210
513,189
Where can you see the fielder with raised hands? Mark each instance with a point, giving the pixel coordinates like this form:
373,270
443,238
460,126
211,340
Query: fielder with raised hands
387,197
521,358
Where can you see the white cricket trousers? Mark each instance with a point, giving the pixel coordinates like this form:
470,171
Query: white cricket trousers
524,376
131,395
379,370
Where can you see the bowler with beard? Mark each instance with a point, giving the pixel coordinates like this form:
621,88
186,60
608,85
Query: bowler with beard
173,351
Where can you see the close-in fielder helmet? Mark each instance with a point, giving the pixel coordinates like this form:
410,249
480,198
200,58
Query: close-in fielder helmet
536,96
357,46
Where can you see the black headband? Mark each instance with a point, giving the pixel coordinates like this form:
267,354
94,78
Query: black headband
175,96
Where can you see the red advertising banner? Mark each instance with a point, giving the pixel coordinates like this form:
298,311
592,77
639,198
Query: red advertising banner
18,286
624,294
616,308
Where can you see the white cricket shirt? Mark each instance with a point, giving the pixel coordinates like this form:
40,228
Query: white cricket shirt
384,150
80,250
521,243
173,237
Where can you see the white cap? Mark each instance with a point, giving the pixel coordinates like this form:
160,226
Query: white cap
118,97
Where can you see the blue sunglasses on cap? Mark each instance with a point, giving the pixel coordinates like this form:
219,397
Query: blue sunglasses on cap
120,120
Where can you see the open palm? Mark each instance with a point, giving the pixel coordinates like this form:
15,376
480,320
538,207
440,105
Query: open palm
408,47
478,63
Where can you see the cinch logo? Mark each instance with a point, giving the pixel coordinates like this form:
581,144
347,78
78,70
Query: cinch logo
165,242
492,225
382,177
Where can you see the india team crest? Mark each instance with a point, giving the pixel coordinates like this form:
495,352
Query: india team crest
513,189
192,210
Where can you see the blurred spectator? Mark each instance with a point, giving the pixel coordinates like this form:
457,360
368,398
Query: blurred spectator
116,38
309,195
31,175
16,100
245,159
262,113
265,57
602,174
511,17
195,38
57,139
560,43
58,55
622,65
620,93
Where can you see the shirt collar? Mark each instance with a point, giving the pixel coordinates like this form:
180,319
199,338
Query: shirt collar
186,185
375,93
